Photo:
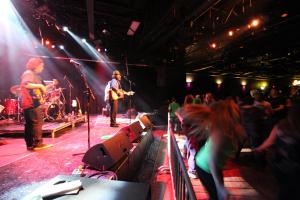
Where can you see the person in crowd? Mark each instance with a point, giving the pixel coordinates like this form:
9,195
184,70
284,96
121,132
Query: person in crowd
189,147
32,92
197,99
209,99
188,99
278,108
252,119
283,144
189,115
172,108
224,134
260,102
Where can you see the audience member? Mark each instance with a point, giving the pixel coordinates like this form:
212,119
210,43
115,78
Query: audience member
284,145
173,107
225,134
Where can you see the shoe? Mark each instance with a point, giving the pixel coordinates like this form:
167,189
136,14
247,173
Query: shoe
42,146
114,125
192,174
30,148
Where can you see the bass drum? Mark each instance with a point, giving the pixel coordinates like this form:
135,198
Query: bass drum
10,106
52,111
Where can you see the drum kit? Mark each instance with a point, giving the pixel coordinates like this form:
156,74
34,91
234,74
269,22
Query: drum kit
53,109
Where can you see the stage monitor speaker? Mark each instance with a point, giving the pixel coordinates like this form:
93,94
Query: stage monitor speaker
106,154
134,130
145,121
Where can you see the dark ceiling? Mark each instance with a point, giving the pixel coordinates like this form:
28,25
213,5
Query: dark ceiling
180,33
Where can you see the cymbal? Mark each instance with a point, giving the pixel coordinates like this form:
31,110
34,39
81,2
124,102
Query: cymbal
16,89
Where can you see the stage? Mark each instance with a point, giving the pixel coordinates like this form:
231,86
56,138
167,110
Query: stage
13,127
21,168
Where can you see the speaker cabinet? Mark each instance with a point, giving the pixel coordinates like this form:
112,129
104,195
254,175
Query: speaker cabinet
145,121
134,130
105,155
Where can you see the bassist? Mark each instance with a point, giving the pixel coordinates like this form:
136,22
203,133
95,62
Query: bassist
32,89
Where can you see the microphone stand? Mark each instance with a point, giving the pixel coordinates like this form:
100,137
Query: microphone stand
130,98
126,78
70,93
89,94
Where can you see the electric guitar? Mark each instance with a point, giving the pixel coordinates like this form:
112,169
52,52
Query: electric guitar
119,94
41,97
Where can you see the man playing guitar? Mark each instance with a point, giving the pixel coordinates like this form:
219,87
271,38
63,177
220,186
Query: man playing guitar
115,93
32,89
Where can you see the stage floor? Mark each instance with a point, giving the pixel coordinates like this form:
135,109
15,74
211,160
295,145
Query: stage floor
20,168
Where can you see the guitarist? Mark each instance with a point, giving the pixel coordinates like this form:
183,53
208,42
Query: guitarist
115,92
32,88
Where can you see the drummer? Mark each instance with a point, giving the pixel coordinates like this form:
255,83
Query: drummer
52,86
51,95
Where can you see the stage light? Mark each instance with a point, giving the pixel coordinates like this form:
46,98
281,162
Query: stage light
98,49
47,42
53,46
219,81
284,15
213,45
65,28
105,49
254,23
61,46
230,33
189,77
83,40
243,83
296,82
263,85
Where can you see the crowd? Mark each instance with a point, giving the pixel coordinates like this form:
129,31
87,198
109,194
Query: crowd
217,130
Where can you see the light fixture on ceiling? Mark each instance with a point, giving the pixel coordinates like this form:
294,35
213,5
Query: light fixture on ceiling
230,33
133,27
213,45
254,23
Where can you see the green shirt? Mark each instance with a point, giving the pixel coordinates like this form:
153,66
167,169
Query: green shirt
173,108
203,156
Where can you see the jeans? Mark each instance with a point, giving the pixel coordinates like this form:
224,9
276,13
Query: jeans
113,111
33,126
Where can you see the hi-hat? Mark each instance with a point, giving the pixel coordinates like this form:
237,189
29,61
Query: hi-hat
16,89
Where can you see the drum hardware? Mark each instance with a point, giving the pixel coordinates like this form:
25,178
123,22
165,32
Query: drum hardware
16,90
54,107
52,112
14,108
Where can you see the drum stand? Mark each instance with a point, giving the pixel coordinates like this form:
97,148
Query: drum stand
18,110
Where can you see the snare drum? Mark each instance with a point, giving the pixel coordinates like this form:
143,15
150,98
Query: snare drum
11,106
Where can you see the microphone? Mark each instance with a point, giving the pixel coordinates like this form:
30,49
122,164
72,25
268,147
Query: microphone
74,62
